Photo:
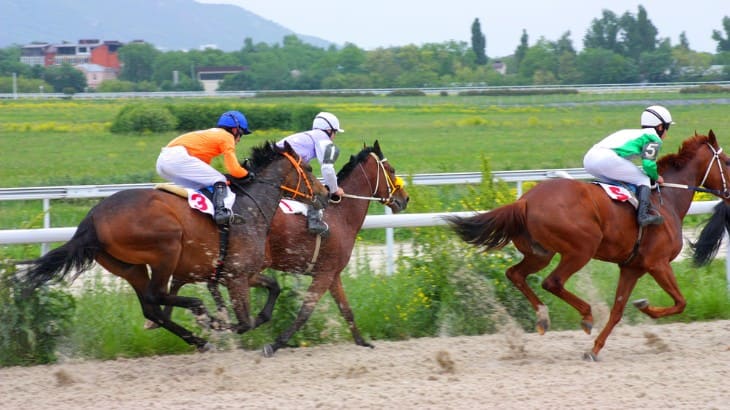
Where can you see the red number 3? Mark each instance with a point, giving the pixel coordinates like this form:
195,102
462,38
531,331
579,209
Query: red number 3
199,201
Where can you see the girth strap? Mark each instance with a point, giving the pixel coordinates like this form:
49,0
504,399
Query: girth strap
635,250
222,252
317,246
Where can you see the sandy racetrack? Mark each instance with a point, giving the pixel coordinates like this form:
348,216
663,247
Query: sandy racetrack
650,366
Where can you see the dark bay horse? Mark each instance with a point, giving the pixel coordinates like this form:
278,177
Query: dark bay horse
135,229
367,177
578,221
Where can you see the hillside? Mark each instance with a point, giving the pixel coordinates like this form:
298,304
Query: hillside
168,24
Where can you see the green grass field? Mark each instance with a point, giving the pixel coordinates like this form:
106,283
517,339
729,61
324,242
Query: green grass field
68,142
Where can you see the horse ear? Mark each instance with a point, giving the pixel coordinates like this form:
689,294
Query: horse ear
376,145
711,135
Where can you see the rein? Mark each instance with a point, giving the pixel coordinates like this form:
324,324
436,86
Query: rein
296,192
393,185
724,193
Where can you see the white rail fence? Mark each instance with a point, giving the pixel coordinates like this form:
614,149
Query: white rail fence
48,234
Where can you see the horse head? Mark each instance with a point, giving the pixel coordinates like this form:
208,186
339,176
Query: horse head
383,185
716,176
709,163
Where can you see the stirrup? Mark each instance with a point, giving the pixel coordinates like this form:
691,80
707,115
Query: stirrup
650,219
225,216
318,228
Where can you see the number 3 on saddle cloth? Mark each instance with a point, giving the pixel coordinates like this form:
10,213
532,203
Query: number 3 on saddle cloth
201,199
620,192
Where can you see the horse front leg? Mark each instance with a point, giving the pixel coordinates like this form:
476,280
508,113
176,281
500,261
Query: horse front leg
338,293
274,290
626,282
315,291
239,292
664,276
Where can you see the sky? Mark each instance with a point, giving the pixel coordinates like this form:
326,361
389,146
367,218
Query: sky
385,23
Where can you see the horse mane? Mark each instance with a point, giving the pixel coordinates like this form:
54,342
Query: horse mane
685,154
357,159
262,155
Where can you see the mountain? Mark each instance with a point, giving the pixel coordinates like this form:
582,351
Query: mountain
167,24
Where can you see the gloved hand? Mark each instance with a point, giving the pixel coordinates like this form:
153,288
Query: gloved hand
249,177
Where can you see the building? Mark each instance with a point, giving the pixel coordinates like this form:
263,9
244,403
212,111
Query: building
210,77
98,60
96,74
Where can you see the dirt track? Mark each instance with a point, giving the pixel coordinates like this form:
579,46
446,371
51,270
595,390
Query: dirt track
684,366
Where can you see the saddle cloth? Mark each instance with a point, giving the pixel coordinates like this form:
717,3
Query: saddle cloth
619,193
200,200
290,206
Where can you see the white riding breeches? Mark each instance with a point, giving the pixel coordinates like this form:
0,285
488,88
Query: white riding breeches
176,165
605,163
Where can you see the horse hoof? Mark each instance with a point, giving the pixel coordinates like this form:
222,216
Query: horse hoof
542,326
586,326
149,325
590,357
207,347
641,303
268,351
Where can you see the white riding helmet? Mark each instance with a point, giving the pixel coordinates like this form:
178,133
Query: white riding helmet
326,121
655,115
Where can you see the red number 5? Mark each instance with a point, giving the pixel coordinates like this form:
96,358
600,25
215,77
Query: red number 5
620,196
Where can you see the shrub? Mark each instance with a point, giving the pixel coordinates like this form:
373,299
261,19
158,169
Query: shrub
31,326
137,118
196,116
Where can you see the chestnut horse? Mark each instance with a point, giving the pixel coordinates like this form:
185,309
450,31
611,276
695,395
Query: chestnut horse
135,229
580,222
367,177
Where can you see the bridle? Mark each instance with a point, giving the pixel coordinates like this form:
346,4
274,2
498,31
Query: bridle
393,184
724,193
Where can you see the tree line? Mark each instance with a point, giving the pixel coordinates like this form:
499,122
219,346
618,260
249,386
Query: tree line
616,49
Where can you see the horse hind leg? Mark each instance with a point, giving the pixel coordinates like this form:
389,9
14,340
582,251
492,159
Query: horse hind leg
554,283
518,274
138,277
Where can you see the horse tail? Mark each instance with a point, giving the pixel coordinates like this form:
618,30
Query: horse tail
493,229
76,255
708,243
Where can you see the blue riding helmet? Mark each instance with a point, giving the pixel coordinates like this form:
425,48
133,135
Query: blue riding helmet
234,119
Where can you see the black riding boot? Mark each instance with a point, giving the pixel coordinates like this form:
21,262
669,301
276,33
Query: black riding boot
644,214
223,215
315,225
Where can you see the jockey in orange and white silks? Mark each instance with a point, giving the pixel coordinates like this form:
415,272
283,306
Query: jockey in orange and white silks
319,143
186,161
611,158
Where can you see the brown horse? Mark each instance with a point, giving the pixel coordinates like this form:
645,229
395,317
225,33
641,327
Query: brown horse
135,229
578,221
367,177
